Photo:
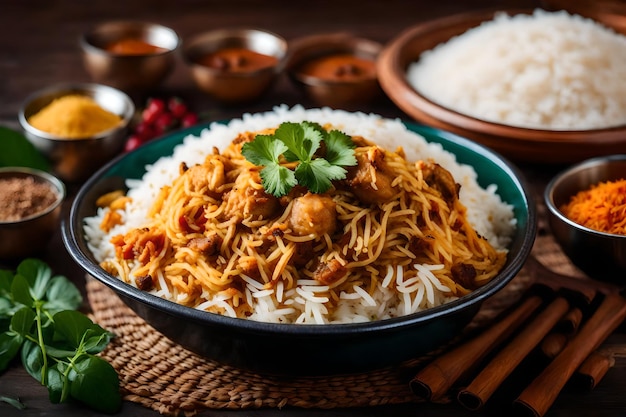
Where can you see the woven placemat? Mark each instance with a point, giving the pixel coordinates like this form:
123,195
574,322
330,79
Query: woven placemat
161,375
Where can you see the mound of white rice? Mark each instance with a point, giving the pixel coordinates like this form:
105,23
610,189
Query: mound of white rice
492,217
551,70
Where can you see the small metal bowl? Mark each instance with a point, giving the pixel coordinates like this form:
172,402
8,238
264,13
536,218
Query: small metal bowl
350,87
228,86
29,235
129,72
73,160
600,255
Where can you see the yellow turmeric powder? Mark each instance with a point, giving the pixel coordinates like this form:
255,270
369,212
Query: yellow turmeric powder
74,116
602,207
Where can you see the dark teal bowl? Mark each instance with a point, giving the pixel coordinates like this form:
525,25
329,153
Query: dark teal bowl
291,349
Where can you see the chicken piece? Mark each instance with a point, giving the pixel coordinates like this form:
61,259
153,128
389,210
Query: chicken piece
313,214
330,272
209,245
440,179
208,177
248,199
370,179
142,244
464,275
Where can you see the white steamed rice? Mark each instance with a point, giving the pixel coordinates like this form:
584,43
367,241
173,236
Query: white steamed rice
492,218
547,70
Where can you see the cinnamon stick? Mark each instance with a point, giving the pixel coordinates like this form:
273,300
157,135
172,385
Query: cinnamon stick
436,378
537,398
553,344
593,370
483,386
571,321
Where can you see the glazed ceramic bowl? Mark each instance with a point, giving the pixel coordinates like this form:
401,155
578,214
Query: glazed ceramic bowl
232,82
345,80
600,255
136,70
292,349
517,143
28,233
75,159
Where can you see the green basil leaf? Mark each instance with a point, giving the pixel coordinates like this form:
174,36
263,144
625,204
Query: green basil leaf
6,278
21,291
10,343
62,294
56,382
13,401
16,150
23,320
60,352
72,326
94,382
32,359
96,344
6,308
38,275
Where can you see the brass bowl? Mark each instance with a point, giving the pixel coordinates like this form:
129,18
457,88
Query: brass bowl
131,73
517,143
30,235
350,93
74,160
231,87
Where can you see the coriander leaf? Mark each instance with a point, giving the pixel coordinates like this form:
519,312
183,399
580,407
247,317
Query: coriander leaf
10,343
62,294
277,180
339,149
94,382
13,401
302,140
264,150
318,174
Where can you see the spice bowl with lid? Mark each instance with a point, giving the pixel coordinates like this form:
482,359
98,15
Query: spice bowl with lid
78,127
133,56
336,69
30,210
583,230
235,65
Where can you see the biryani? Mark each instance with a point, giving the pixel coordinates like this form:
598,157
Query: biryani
305,216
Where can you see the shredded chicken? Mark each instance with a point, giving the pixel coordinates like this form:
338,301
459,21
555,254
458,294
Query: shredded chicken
440,179
248,199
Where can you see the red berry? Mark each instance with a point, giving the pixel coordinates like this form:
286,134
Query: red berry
132,143
177,107
163,123
144,131
189,119
153,110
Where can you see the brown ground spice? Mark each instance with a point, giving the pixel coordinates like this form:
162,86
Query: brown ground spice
22,197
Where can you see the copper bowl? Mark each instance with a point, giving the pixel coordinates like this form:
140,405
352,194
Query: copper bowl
29,235
517,143
75,159
342,92
232,87
129,72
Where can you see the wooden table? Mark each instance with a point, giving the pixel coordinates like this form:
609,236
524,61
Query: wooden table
39,47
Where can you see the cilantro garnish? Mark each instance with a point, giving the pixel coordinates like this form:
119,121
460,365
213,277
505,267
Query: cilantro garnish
298,143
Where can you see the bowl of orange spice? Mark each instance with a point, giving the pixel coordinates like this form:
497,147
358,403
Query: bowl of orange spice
130,55
587,214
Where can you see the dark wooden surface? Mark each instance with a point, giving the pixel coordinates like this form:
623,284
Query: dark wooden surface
39,47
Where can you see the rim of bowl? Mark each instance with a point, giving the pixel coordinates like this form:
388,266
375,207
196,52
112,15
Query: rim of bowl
44,176
195,47
562,176
89,46
77,250
391,62
61,90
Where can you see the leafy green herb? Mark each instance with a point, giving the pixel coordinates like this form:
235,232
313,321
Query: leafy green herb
57,344
16,150
15,402
299,143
